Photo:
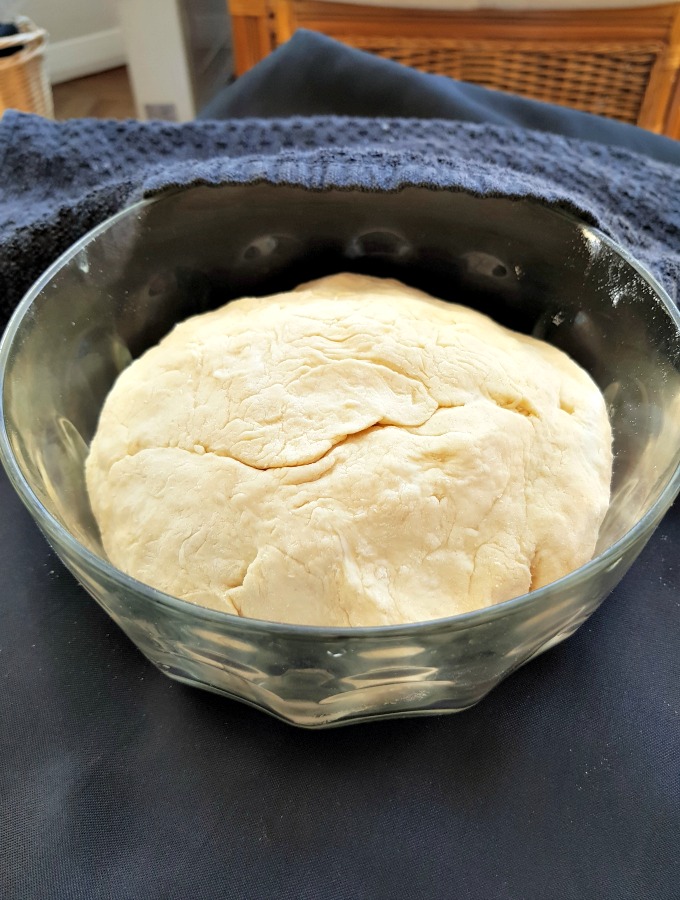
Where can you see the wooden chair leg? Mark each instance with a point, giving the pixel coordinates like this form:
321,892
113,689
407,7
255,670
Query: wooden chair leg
672,124
672,117
252,31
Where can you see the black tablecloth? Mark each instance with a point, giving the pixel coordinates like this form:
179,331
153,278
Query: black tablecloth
117,783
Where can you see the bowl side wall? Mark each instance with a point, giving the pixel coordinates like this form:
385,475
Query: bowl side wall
528,266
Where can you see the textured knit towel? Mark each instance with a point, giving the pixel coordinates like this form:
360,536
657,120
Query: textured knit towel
60,180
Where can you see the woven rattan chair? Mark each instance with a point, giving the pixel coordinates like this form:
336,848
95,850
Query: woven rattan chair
619,62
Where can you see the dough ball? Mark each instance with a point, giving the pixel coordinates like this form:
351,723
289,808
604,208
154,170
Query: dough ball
353,452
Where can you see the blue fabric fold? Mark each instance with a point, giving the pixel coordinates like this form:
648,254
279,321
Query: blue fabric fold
61,179
313,75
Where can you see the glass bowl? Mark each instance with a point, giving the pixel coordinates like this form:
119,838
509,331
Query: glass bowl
121,288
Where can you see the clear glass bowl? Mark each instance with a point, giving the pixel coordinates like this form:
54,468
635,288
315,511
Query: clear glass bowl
122,287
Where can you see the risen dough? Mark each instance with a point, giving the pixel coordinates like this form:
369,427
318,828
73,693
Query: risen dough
354,452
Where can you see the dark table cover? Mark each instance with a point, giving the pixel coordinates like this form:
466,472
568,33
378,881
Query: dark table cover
117,783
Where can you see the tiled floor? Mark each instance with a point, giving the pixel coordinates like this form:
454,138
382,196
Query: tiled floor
106,95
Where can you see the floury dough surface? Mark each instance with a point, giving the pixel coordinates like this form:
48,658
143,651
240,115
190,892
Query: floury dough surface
353,452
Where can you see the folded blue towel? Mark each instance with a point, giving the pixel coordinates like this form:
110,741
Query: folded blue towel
61,179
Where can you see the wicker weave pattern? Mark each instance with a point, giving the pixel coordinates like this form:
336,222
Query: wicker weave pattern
609,82
24,84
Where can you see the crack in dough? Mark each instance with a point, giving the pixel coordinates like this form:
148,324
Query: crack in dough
353,452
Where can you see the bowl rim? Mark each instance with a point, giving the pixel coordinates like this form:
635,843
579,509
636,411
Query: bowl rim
53,528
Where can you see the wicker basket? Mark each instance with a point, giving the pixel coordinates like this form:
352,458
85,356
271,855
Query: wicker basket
24,84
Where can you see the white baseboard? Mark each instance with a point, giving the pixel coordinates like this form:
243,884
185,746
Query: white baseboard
85,55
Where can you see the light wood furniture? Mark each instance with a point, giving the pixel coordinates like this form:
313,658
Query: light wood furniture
623,63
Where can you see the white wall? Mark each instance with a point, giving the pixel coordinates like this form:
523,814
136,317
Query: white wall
85,35
65,19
